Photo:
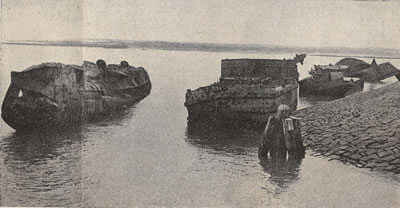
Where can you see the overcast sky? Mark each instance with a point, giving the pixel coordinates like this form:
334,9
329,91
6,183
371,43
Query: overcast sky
296,23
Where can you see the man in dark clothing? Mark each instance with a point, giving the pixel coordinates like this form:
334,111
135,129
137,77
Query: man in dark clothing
281,135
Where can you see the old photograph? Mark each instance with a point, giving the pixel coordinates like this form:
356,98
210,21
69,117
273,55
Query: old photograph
200,103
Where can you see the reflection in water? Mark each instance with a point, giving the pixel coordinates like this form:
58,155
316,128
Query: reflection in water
114,118
147,156
44,168
236,142
282,173
41,167
229,140
32,147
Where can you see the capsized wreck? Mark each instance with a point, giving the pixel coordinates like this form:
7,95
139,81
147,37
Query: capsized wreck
328,80
55,94
352,67
249,90
379,72
373,72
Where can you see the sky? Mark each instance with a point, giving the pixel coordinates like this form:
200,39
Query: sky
315,23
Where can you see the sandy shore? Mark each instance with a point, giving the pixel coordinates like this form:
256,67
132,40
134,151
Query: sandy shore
363,129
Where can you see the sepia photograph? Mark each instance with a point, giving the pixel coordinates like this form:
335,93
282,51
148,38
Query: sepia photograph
200,103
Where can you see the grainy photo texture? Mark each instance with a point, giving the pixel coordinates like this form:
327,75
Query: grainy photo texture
200,103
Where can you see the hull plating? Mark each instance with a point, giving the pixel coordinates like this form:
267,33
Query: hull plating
241,110
31,104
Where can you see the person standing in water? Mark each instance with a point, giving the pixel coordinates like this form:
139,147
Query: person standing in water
281,136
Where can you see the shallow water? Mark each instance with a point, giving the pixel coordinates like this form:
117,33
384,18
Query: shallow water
147,155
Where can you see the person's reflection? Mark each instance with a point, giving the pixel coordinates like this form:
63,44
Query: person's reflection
282,172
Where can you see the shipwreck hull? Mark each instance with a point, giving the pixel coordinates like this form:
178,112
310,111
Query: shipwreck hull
339,89
95,105
24,114
355,66
57,95
253,109
248,92
380,72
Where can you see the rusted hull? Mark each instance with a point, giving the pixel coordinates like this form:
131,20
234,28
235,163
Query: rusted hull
248,92
25,114
227,117
252,110
38,114
54,95
331,89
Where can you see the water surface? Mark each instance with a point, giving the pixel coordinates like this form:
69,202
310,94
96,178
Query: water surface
147,155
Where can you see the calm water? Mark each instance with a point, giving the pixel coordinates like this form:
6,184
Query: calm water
147,155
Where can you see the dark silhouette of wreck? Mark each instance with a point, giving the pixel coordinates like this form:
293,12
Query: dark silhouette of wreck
54,94
329,81
249,91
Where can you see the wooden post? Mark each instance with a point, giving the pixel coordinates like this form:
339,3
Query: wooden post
281,137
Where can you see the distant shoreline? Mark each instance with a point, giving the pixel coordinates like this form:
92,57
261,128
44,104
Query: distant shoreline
214,47
355,56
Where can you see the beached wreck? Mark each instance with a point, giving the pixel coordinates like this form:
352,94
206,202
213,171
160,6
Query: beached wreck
249,90
55,94
329,81
379,72
373,72
352,67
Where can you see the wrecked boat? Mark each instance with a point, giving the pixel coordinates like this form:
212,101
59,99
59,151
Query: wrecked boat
249,90
379,72
55,94
329,81
352,67
373,72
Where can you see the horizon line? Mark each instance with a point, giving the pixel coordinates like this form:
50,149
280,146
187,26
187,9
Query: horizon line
189,42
